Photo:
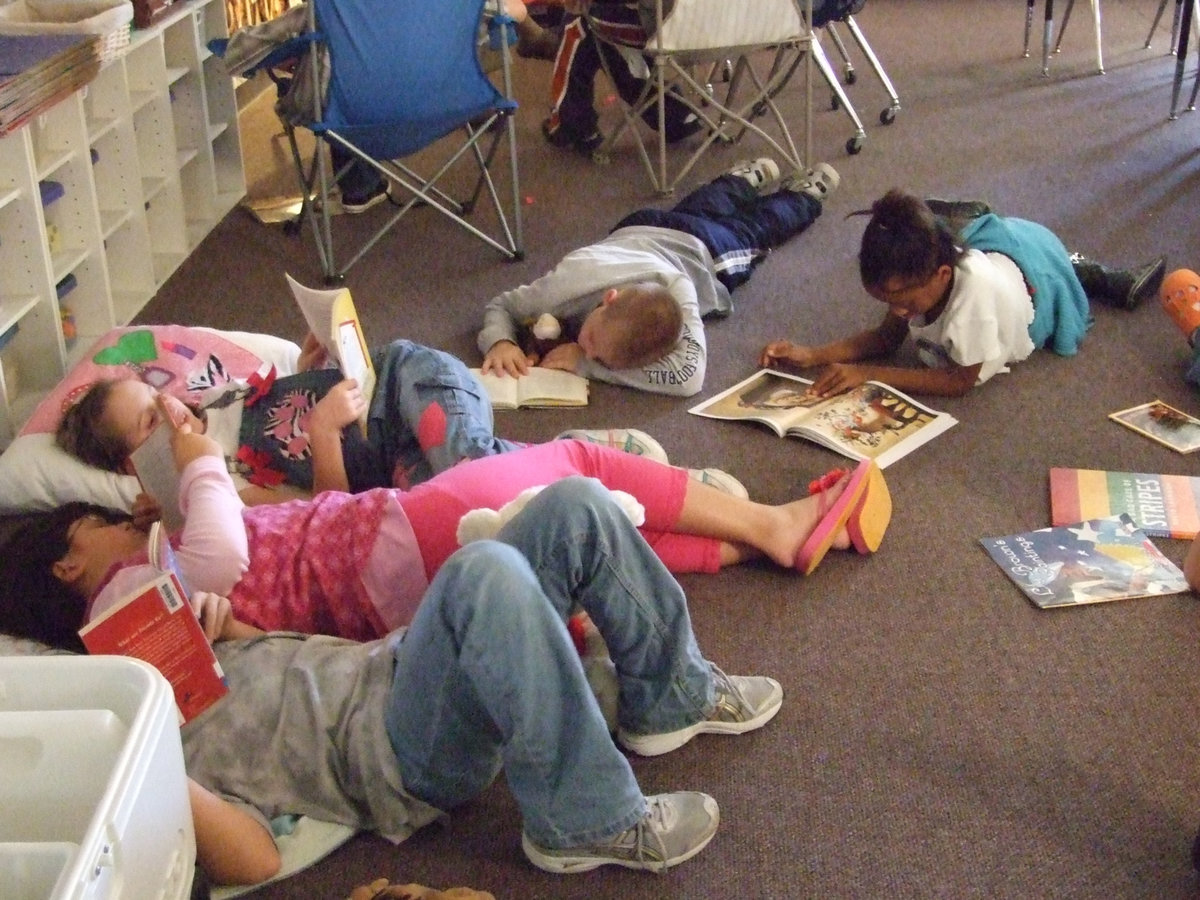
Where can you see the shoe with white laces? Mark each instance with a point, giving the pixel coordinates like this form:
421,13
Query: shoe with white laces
674,829
744,703
758,172
628,440
818,182
721,480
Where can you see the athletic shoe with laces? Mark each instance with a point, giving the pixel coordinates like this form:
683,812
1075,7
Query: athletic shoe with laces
674,829
628,440
758,172
818,182
721,480
355,205
744,703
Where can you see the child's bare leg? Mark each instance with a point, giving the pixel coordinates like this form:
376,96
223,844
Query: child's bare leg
749,529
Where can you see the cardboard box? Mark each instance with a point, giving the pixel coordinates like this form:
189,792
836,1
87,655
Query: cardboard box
93,796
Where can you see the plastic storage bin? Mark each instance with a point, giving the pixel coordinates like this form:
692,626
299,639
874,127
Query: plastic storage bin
93,796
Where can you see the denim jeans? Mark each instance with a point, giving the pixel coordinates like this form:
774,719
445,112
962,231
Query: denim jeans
487,677
428,413
738,225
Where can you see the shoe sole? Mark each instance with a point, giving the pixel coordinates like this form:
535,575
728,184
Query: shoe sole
869,521
1148,286
658,744
568,865
355,209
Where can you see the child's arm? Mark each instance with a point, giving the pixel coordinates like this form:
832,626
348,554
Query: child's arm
215,614
231,846
882,340
340,407
948,381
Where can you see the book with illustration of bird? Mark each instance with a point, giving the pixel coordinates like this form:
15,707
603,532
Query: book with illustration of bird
1089,562
1162,423
872,421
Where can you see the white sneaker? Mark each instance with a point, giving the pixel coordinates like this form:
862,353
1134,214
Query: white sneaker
759,172
629,440
721,480
744,703
818,182
674,829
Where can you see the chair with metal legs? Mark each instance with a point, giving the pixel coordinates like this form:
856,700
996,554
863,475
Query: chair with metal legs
1048,32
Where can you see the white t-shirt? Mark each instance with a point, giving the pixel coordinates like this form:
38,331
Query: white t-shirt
985,321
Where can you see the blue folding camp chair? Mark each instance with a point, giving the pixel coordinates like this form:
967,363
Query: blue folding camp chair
401,80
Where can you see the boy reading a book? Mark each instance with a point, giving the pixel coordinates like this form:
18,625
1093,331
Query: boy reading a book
391,735
633,304
974,301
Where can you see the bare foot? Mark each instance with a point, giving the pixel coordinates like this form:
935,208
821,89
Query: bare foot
797,521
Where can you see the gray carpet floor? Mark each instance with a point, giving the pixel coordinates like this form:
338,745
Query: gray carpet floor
940,737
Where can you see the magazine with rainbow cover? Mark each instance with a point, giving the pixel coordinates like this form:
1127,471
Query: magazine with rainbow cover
1089,562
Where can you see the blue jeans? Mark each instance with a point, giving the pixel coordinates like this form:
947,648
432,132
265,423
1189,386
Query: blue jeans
428,413
738,225
487,676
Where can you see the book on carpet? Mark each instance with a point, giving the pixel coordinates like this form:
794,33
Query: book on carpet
154,465
1094,561
1162,423
872,421
331,316
541,388
1160,505
155,623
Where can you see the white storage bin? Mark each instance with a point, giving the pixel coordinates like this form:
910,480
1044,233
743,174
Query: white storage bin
93,796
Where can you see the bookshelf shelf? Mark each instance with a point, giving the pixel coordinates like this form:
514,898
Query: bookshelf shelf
149,159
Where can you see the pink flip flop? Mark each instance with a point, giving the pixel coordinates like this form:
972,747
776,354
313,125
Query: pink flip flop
871,516
813,550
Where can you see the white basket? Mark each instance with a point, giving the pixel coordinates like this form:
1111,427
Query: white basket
113,22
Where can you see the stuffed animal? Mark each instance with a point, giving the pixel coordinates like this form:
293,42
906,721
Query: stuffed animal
541,336
480,524
381,888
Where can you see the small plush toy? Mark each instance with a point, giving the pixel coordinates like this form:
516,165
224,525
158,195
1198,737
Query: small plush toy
542,336
480,524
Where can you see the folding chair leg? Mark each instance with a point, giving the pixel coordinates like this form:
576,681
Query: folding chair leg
854,144
888,115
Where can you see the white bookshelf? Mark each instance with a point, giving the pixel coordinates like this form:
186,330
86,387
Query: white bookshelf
149,158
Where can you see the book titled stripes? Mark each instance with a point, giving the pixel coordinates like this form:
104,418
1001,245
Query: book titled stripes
1160,505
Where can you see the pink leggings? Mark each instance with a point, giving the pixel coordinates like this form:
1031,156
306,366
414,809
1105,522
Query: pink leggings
435,506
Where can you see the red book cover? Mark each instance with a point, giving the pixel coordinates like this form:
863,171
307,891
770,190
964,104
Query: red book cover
156,624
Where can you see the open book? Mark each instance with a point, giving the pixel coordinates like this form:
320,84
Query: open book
1162,423
1160,505
540,388
331,316
155,623
873,421
1088,562
154,464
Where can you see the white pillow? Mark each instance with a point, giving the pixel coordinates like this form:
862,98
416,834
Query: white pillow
35,474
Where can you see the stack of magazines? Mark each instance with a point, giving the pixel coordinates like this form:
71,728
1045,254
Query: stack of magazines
39,70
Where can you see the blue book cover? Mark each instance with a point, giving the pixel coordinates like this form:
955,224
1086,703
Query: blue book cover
21,53
1091,562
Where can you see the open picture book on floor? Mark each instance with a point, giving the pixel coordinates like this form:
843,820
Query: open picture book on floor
872,421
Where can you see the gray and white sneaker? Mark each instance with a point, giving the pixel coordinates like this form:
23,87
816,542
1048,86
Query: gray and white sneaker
721,480
758,172
818,182
744,703
675,828
628,440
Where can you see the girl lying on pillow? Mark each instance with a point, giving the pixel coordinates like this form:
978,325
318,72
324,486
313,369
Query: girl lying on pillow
356,565
427,414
